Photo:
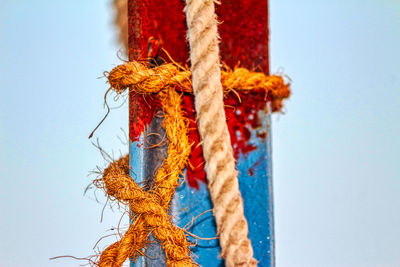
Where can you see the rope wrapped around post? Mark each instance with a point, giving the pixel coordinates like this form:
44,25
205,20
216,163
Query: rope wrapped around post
146,80
150,208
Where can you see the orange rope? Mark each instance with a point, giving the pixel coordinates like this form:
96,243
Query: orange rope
151,207
152,80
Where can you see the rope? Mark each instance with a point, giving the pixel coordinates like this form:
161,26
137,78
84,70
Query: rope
220,167
151,208
146,80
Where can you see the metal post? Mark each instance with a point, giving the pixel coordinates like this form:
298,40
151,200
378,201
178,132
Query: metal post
244,41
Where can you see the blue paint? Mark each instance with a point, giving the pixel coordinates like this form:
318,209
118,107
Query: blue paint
143,161
255,181
136,170
189,203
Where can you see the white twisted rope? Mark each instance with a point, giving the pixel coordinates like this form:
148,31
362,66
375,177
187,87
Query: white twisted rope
217,149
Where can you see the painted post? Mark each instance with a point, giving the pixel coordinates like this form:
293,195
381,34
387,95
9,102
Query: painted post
244,41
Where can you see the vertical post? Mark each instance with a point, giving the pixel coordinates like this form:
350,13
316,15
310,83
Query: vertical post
244,42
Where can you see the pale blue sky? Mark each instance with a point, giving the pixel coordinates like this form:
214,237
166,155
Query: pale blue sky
336,161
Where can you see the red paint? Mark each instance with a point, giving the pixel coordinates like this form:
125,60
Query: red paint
244,33
242,118
244,42
243,30
149,20
162,20
251,170
147,106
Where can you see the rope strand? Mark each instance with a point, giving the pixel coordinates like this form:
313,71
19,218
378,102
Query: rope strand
220,167
151,207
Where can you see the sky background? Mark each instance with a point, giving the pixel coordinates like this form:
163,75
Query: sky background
335,151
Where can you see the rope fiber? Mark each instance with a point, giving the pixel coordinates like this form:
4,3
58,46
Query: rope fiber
222,175
150,208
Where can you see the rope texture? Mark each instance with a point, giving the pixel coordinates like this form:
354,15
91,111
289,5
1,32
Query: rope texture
150,208
220,167
145,80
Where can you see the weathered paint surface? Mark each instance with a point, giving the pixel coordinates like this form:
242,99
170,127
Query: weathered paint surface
244,34
256,187
143,161
255,181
